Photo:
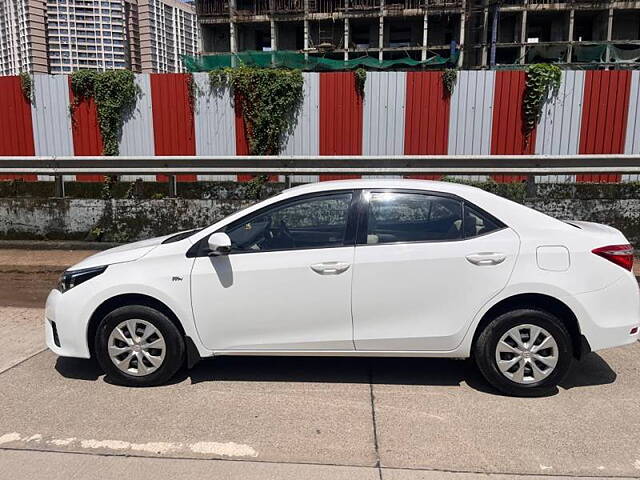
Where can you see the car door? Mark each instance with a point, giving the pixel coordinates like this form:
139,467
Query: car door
286,285
425,264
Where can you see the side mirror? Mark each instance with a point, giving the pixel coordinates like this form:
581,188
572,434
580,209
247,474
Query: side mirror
219,244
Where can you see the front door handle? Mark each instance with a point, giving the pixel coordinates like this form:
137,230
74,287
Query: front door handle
486,258
330,268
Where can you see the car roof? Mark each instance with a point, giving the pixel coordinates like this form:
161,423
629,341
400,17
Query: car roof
447,187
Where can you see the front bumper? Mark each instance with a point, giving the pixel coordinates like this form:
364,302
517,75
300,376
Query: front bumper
65,327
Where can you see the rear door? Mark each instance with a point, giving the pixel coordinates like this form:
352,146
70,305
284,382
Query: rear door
425,264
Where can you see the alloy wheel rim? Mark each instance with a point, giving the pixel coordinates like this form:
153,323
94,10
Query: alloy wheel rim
136,347
527,354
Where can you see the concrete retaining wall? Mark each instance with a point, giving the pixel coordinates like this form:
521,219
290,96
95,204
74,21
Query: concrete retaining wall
107,220
123,220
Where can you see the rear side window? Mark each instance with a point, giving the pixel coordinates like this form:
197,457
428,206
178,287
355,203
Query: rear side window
412,217
478,223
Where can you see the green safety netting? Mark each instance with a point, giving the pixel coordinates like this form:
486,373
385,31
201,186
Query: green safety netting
589,53
625,54
546,53
291,59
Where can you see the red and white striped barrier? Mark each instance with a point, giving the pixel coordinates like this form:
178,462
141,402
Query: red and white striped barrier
402,113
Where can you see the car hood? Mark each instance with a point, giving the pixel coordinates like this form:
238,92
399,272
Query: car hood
121,254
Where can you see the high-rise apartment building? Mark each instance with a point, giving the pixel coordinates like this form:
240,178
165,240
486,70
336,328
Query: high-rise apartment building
86,34
168,29
22,37
62,36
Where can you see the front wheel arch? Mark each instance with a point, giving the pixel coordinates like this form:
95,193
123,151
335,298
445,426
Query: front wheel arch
118,301
537,301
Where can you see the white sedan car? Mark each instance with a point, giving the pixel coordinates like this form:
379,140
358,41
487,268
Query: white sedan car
357,268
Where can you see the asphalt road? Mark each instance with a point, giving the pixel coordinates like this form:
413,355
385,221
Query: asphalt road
308,418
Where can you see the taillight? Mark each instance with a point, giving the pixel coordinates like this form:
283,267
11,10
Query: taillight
619,254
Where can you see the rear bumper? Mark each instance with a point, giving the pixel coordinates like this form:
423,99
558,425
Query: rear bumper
608,316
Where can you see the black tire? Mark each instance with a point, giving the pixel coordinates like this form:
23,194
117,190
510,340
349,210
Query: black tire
174,342
485,352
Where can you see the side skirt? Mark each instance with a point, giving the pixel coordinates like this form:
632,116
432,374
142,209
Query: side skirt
344,353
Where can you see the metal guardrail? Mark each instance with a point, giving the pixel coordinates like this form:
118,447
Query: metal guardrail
529,165
305,165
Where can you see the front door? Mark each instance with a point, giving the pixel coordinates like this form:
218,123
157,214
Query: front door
286,285
425,267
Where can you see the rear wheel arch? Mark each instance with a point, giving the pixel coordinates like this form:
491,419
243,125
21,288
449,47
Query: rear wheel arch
537,301
118,301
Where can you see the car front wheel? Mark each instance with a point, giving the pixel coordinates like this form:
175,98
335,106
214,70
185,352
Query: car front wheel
139,346
524,352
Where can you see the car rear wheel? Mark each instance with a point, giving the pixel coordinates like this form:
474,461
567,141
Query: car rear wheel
139,346
524,352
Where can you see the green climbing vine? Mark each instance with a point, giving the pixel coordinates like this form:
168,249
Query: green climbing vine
255,185
360,75
268,98
115,93
543,80
27,86
449,80
219,78
193,91
108,184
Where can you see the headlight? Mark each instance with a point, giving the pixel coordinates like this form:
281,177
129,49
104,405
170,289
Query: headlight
68,280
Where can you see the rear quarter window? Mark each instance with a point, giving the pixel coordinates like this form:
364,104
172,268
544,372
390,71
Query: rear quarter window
477,222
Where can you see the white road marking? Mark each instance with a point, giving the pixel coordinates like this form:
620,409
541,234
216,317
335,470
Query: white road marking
62,442
108,444
228,449
9,437
156,447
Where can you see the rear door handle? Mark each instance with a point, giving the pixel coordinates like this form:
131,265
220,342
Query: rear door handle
330,268
486,258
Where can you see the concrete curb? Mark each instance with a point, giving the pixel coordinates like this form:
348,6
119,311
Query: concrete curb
55,245
32,269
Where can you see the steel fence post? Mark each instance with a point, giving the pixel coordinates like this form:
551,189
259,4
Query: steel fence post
173,186
58,186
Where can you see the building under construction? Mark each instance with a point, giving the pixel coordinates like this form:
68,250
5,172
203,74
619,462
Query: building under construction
480,33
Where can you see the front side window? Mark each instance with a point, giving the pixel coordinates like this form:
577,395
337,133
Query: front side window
412,217
317,222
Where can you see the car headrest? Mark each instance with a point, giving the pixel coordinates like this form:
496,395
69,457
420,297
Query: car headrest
470,225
